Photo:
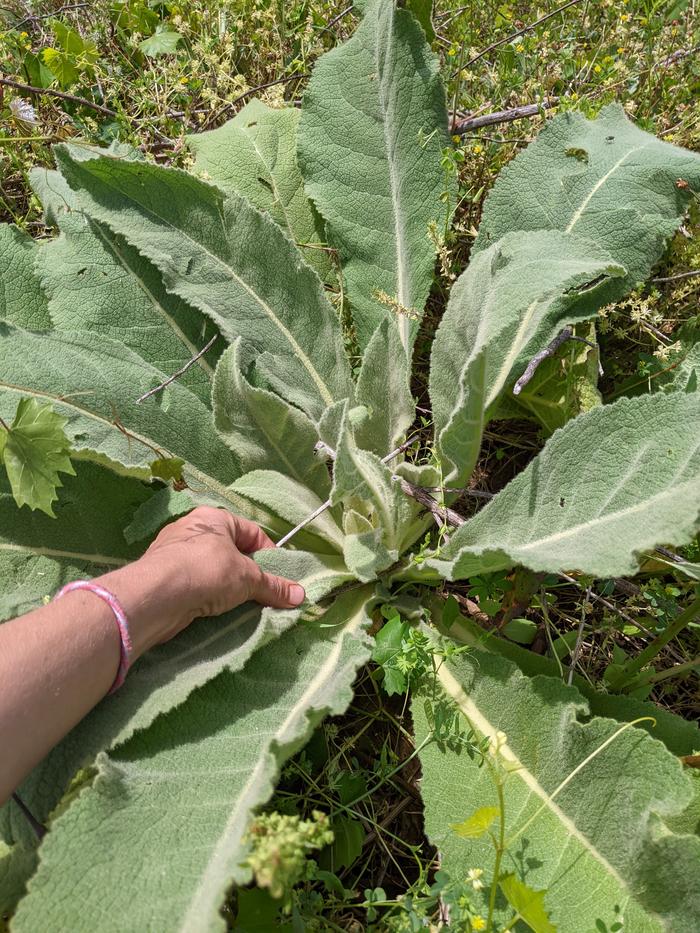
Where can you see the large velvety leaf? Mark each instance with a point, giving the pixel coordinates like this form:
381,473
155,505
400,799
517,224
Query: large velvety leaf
610,485
602,849
293,502
222,256
94,382
95,281
181,794
509,303
21,298
255,154
384,388
605,179
372,131
262,430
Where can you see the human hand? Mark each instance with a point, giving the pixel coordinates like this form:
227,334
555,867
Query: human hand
207,553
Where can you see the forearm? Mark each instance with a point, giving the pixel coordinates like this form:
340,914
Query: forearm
58,662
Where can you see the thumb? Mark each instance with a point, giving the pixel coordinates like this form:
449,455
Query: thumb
278,592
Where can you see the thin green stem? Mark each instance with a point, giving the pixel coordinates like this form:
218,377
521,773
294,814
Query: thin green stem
652,650
500,849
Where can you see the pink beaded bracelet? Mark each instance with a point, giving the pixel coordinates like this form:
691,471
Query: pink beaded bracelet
126,648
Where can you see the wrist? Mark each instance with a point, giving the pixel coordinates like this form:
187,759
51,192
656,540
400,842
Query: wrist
154,597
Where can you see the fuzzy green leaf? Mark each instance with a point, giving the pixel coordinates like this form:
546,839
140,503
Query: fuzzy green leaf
222,256
155,512
22,300
372,131
607,487
384,388
601,849
35,450
511,301
94,383
624,195
293,502
232,738
255,155
262,430
95,281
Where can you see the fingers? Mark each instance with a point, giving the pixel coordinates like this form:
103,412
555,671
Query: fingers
277,592
248,536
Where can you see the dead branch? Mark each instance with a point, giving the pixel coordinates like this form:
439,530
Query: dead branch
39,91
180,372
503,116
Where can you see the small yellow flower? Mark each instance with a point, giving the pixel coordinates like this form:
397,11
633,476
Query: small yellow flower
597,69
184,80
621,50
23,35
478,149
624,17
474,875
574,96
668,138
452,52
520,48
457,139
478,923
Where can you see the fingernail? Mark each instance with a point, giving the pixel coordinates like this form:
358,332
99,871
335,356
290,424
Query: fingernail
296,594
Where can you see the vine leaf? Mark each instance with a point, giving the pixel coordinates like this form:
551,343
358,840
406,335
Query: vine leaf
528,903
35,449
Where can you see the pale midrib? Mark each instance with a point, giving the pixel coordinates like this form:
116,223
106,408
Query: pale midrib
306,362
209,889
208,481
578,213
101,559
169,320
403,295
477,719
592,523
513,353
273,184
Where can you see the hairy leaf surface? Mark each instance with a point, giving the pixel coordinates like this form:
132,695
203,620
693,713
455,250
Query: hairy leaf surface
95,281
220,255
372,130
293,502
255,155
262,430
602,848
218,754
22,300
384,388
623,194
94,382
511,301
610,485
